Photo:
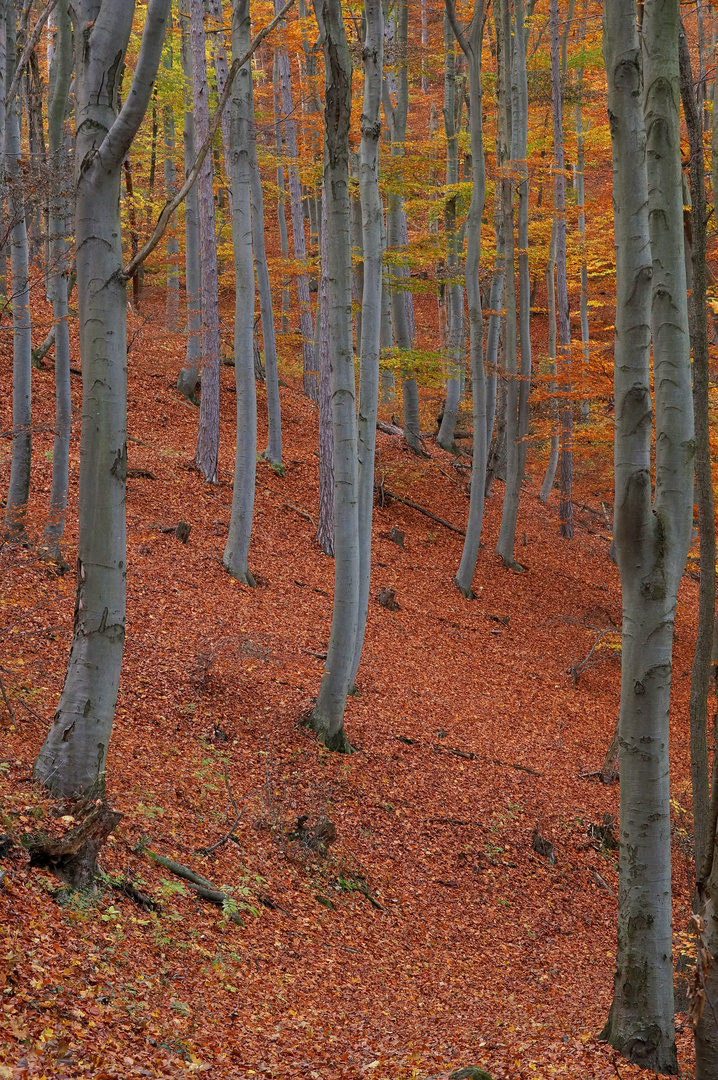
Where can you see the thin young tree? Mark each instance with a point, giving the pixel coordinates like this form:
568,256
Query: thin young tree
327,718
190,372
19,489
207,453
71,761
60,78
236,552
652,525
170,177
370,343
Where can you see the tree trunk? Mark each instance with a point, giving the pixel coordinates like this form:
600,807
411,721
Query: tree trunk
207,454
189,375
552,465
172,243
651,534
396,224
470,42
236,552
60,77
327,719
19,489
564,325
281,201
370,343
295,202
325,517
71,761
581,205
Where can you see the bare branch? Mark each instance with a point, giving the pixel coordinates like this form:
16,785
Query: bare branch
27,52
172,204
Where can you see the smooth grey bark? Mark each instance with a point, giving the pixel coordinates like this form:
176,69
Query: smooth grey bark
19,488
273,450
281,201
517,415
454,293
388,382
705,800
652,528
552,464
370,344
60,78
470,42
221,72
580,185
71,761
494,330
295,202
563,362
327,718
207,453
357,254
236,552
189,375
325,517
170,176
401,300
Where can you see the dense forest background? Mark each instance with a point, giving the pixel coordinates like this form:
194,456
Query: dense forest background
367,331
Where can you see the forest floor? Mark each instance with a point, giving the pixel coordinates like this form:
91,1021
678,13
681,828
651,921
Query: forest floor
430,936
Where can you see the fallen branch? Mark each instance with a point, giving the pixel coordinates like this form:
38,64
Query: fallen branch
126,888
522,768
200,885
422,510
450,750
301,512
233,826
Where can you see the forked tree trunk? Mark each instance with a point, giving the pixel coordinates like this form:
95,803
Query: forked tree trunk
470,42
71,761
60,77
370,343
19,489
327,719
236,552
652,531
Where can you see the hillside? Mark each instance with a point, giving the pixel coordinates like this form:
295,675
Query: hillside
429,935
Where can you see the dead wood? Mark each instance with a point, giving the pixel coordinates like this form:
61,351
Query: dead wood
521,768
140,474
386,494
73,857
128,889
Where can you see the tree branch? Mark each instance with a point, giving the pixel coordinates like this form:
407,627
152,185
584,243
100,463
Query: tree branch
171,205
27,52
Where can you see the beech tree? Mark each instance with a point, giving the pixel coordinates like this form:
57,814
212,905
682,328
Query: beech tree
327,718
652,526
71,761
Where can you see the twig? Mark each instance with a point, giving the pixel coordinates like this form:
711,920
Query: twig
228,834
522,768
422,510
26,53
8,706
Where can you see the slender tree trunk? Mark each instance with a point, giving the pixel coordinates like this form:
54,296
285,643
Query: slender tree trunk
19,489
60,77
281,202
325,517
327,718
295,202
401,300
581,205
652,532
207,454
564,325
552,465
189,375
71,761
470,42
172,243
452,286
706,1033
370,343
236,552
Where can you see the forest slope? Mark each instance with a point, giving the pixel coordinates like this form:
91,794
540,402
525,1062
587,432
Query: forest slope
470,734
